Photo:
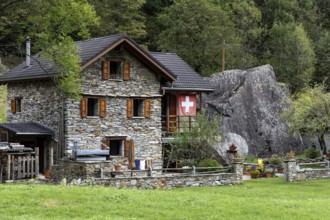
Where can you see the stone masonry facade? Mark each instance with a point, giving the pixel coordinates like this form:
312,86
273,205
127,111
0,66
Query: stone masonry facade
40,102
145,132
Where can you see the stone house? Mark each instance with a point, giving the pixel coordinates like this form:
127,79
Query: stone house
130,102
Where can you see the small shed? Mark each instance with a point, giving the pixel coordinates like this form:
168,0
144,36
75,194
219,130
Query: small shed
30,135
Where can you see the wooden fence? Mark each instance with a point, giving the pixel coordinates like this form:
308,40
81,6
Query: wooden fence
19,165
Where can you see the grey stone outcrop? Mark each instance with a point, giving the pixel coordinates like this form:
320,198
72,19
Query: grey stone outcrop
251,102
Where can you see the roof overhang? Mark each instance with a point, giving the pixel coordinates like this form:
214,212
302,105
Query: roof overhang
139,52
172,89
28,128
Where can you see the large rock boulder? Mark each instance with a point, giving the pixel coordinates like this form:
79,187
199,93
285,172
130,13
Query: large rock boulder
251,102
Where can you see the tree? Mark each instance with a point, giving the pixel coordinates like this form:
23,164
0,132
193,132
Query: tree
322,66
195,144
51,25
309,114
291,53
197,31
120,16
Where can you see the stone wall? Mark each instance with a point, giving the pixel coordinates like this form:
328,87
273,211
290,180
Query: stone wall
292,173
145,132
89,174
41,102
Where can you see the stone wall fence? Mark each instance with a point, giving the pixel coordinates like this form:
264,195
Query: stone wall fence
293,171
90,174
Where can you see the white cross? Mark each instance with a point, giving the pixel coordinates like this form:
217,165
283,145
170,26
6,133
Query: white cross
187,104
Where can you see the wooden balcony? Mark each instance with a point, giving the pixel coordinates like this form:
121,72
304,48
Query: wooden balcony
174,123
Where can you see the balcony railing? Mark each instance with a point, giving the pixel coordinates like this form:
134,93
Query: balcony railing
174,123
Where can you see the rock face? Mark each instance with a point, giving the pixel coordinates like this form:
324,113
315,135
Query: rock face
251,102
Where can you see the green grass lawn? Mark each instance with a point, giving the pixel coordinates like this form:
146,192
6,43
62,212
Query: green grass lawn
256,199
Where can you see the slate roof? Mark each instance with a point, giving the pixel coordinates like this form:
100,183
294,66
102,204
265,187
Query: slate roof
28,128
186,77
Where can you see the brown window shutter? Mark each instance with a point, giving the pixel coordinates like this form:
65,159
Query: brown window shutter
127,145
131,154
129,108
105,144
103,107
147,112
83,107
105,69
13,106
127,71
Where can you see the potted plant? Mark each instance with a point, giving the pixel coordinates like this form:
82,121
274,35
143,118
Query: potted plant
290,155
280,168
255,171
269,172
238,158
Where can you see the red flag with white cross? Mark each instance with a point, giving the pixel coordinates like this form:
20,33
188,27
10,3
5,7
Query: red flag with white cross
187,105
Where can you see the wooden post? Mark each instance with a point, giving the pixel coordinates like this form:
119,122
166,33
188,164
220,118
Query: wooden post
8,166
19,168
36,161
24,166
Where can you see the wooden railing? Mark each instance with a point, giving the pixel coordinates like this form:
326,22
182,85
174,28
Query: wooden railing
174,123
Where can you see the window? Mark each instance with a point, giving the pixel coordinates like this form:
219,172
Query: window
16,105
116,69
3,136
138,108
93,106
117,145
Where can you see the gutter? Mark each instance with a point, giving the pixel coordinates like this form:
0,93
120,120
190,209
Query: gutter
187,89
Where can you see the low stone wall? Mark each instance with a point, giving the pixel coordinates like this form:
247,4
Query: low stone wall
164,182
89,173
293,173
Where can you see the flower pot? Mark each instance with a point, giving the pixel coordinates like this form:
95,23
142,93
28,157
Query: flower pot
254,176
117,167
280,170
237,160
269,175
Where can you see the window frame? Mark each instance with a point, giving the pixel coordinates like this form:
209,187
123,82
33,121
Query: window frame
101,107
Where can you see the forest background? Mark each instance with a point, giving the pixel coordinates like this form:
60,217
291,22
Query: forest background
291,35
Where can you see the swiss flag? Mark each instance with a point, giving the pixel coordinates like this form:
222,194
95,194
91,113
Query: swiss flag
187,105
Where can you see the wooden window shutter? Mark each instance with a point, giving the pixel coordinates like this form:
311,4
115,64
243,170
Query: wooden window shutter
83,107
127,145
103,107
129,108
147,112
127,71
105,144
105,69
131,154
13,106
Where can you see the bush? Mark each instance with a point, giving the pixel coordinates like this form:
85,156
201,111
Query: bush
250,159
275,160
187,163
209,163
312,153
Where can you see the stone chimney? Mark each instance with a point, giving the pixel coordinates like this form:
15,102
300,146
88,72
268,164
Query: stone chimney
28,52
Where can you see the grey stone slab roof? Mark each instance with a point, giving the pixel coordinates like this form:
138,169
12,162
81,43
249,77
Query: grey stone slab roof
186,77
28,128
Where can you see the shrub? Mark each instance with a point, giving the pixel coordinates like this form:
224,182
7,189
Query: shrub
250,159
188,163
209,163
275,160
312,153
